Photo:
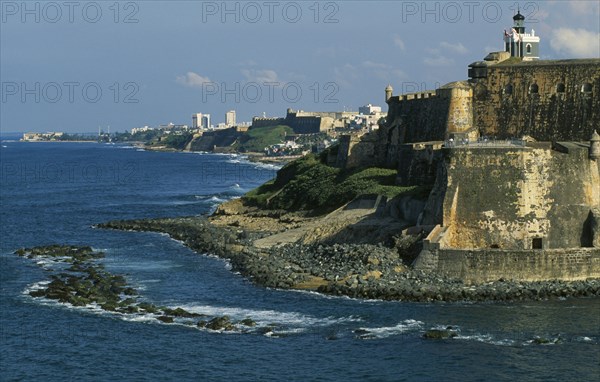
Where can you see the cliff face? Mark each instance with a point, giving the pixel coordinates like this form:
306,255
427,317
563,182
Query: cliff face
220,138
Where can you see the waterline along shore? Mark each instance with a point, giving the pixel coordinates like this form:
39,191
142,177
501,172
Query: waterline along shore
354,270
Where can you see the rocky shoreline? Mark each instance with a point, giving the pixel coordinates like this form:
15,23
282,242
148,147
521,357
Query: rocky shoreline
83,282
354,270
252,156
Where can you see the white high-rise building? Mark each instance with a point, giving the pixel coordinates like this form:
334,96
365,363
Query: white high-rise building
369,109
200,121
230,118
206,121
197,120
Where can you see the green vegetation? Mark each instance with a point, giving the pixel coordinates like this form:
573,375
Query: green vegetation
77,137
177,141
310,185
140,136
257,138
512,61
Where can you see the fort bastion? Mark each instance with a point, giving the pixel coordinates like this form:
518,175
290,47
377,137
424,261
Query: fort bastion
512,158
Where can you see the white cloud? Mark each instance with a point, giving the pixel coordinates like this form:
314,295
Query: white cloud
541,15
583,7
348,76
374,65
438,61
398,42
248,62
383,71
489,49
192,80
456,47
260,76
345,76
576,42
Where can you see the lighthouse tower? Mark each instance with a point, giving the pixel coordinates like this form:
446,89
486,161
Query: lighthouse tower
519,43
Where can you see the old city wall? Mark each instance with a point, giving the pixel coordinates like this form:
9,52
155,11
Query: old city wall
557,100
548,100
356,151
479,266
419,119
424,117
267,122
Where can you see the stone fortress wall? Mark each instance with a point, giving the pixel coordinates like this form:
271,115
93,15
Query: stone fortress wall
503,209
550,100
304,122
546,100
521,198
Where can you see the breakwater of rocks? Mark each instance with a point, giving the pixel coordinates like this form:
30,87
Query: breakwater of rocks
82,281
355,270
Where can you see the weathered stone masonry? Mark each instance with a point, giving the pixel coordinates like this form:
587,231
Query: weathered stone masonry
550,100
513,210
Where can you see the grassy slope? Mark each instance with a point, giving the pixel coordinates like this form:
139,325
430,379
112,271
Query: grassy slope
308,184
260,137
177,141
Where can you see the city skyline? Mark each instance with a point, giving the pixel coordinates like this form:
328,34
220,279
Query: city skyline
148,63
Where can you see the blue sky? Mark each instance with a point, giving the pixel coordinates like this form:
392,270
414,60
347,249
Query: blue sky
79,65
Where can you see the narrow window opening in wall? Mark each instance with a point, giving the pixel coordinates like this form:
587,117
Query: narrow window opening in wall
536,243
560,88
508,89
528,47
533,89
586,88
495,246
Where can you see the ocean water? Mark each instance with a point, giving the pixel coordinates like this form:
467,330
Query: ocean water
55,192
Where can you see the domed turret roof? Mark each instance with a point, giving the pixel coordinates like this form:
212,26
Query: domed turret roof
518,16
389,87
595,137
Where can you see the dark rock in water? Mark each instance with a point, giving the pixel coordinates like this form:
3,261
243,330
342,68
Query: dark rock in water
165,319
201,324
37,293
440,334
546,341
79,301
248,322
130,291
179,312
127,302
266,330
129,309
110,306
541,341
364,334
85,281
147,307
220,323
